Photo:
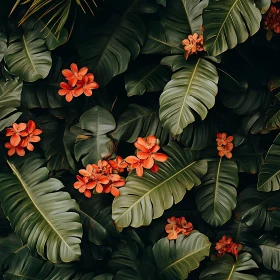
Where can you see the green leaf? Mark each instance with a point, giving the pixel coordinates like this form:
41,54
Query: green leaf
145,198
228,24
269,175
192,89
176,258
272,118
10,95
162,2
42,216
138,121
227,268
270,252
256,208
216,198
27,55
146,78
232,80
3,42
112,46
263,5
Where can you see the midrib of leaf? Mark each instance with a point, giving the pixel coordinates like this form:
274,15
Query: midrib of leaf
165,43
230,77
27,53
156,187
272,118
217,184
201,249
231,272
21,276
34,203
187,14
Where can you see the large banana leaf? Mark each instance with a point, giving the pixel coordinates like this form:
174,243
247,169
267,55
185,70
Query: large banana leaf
191,90
227,268
176,258
10,95
216,198
229,23
3,42
269,176
138,121
145,198
27,56
42,216
256,209
111,47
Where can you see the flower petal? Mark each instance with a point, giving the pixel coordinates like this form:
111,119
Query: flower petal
87,193
15,139
87,92
99,188
67,73
20,151
132,159
115,192
148,163
21,126
34,138
160,157
69,97
139,170
74,67
142,155
83,71
141,147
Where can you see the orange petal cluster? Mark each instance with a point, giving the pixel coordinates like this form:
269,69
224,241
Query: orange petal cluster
78,82
224,144
226,245
193,44
102,177
271,19
177,226
22,136
146,155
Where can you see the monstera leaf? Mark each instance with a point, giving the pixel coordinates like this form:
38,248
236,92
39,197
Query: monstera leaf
269,175
111,48
191,90
148,78
10,94
145,198
216,197
3,42
138,121
272,118
27,56
256,208
227,24
176,258
93,144
227,268
29,198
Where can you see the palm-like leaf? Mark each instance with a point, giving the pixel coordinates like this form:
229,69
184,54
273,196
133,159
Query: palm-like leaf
175,259
216,197
227,268
192,89
269,176
3,42
229,23
145,198
42,216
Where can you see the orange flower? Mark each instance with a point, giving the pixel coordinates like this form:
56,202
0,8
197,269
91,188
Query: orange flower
83,185
177,226
185,226
102,167
16,132
86,85
68,91
224,145
88,172
272,19
193,44
226,245
145,145
135,163
112,188
32,135
15,149
222,139
118,164
74,75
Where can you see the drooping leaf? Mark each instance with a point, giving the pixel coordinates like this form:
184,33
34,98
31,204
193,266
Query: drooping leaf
270,251
138,121
269,176
272,118
192,89
176,258
27,56
255,208
148,78
3,42
227,268
10,95
42,216
216,198
145,198
228,24
112,46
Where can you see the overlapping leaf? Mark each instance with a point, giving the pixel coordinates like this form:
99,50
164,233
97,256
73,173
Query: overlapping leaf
272,118
3,42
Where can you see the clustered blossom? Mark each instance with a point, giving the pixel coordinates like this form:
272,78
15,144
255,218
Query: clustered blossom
22,136
102,177
271,19
79,82
193,44
226,245
146,155
224,144
177,226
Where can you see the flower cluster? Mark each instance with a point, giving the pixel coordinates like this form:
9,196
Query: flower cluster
225,245
177,226
102,177
193,44
79,82
146,155
272,19
224,145
22,136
